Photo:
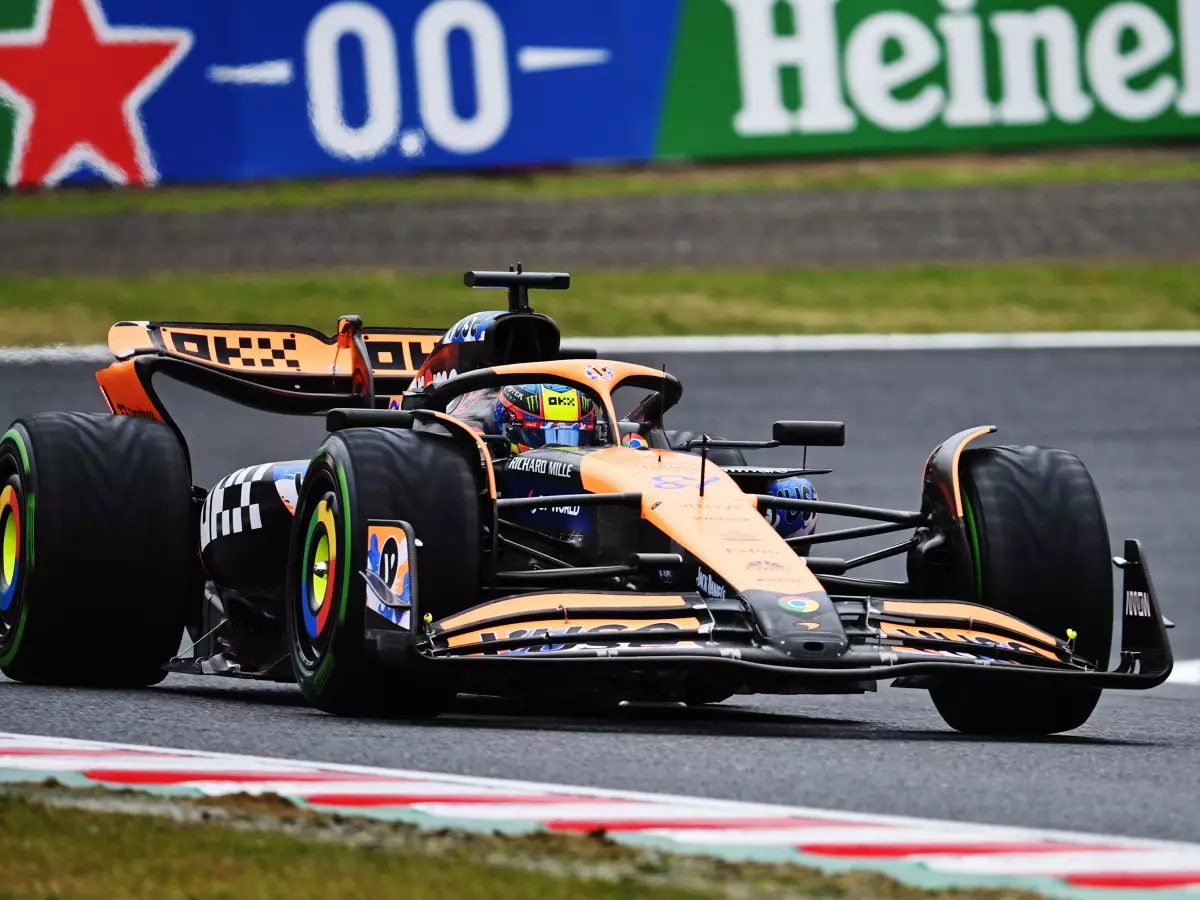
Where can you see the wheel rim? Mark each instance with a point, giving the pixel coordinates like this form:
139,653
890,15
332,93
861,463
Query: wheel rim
10,546
318,577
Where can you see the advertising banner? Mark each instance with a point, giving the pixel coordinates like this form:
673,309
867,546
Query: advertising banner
142,91
138,91
799,77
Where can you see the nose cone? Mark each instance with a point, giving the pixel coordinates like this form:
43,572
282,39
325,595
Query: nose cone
801,626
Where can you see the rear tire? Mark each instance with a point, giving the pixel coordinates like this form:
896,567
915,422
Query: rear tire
98,510
1041,552
361,474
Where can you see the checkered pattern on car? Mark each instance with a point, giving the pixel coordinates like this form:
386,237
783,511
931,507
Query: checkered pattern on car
230,507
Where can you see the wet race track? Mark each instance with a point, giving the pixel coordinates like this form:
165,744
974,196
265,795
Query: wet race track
1129,414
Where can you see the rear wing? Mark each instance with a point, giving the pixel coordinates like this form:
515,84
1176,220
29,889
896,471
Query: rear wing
263,351
284,369
294,370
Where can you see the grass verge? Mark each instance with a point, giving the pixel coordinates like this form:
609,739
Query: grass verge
1042,297
960,170
104,844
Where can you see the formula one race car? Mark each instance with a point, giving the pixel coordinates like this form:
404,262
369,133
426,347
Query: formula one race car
481,520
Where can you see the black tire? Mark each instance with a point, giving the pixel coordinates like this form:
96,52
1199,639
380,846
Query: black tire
107,559
420,478
1041,552
722,456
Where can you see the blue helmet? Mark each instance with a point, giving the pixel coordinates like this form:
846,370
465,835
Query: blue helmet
792,522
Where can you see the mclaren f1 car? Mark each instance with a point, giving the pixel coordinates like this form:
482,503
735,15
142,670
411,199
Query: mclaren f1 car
428,549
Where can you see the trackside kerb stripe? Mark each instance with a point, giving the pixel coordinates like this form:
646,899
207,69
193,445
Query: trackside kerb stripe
925,853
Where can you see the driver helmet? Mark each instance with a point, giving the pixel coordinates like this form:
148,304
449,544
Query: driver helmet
540,415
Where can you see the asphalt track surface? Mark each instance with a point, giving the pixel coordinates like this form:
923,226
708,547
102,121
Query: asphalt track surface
1130,414
1093,221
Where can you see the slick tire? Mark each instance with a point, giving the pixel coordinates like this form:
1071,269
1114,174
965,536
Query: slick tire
722,456
98,549
1040,550
359,475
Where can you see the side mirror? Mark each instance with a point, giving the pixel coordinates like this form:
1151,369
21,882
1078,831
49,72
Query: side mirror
348,417
810,434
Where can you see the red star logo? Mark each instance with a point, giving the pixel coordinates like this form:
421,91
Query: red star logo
77,85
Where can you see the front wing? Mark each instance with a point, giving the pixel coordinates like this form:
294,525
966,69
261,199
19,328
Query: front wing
889,639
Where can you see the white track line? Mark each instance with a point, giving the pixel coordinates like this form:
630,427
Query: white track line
765,343
60,353
1186,671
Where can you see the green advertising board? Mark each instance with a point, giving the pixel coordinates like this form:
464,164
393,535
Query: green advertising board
801,77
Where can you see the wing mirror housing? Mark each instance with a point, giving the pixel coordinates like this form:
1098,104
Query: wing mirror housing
809,434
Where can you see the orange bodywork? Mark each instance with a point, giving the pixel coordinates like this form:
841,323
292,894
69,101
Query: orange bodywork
537,603
723,528
978,433
952,636
575,630
451,422
974,615
273,349
124,393
126,336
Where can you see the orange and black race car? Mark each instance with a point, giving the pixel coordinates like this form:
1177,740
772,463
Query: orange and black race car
480,519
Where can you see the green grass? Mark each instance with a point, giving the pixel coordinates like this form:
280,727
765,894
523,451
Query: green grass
59,853
1074,166
1039,297
118,846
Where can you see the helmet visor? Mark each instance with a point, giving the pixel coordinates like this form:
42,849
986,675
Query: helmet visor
550,436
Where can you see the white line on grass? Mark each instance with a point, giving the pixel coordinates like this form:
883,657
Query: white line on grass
766,343
61,353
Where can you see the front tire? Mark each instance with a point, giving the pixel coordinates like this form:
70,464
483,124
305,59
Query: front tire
98,549
1040,550
359,475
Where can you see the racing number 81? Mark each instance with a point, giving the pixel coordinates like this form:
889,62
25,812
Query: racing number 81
679,482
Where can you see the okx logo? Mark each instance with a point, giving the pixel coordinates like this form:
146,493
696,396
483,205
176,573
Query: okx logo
71,90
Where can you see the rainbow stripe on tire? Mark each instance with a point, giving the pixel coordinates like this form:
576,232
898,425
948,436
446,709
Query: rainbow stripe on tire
319,577
10,546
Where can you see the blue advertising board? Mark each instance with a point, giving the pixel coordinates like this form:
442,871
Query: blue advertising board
142,91
199,90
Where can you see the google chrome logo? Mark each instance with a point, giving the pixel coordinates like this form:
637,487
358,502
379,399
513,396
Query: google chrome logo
799,604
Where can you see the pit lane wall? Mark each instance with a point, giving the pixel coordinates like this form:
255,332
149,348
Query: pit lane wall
140,91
